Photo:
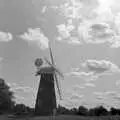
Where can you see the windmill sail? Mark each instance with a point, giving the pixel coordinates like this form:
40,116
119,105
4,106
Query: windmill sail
51,56
58,88
56,80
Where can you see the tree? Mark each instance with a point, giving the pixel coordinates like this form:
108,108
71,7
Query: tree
82,111
91,112
6,97
74,111
98,111
114,111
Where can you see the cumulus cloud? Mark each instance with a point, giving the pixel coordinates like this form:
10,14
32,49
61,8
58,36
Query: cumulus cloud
97,21
78,9
12,84
115,43
71,98
111,96
5,37
18,97
94,69
75,10
100,31
101,66
74,41
77,88
17,88
65,34
22,89
114,97
73,93
95,32
64,31
87,76
76,96
36,36
106,98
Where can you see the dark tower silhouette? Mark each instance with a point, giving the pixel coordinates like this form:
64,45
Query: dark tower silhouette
46,98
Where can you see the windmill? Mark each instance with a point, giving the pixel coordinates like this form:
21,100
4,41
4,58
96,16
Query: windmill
46,97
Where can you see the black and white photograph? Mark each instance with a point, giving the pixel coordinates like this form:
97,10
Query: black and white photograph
59,60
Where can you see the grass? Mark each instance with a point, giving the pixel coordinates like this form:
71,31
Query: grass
61,117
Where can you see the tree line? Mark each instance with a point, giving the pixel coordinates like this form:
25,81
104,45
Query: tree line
8,105
83,111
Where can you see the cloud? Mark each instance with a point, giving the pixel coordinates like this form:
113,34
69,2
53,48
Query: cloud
73,93
101,66
76,97
89,84
65,34
109,98
108,13
36,36
100,96
75,9
69,103
74,41
94,69
5,37
103,29
99,34
113,96
94,22
12,84
17,97
104,6
115,43
87,76
78,87
95,32
24,89
17,88
97,22
64,31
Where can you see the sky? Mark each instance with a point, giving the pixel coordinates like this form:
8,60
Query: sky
85,40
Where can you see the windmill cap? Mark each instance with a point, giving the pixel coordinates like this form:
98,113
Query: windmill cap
47,69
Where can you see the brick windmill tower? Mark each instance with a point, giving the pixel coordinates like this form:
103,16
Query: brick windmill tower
46,95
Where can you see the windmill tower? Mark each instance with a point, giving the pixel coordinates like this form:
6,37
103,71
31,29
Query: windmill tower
46,97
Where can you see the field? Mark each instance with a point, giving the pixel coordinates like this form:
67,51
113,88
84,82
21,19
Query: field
62,117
